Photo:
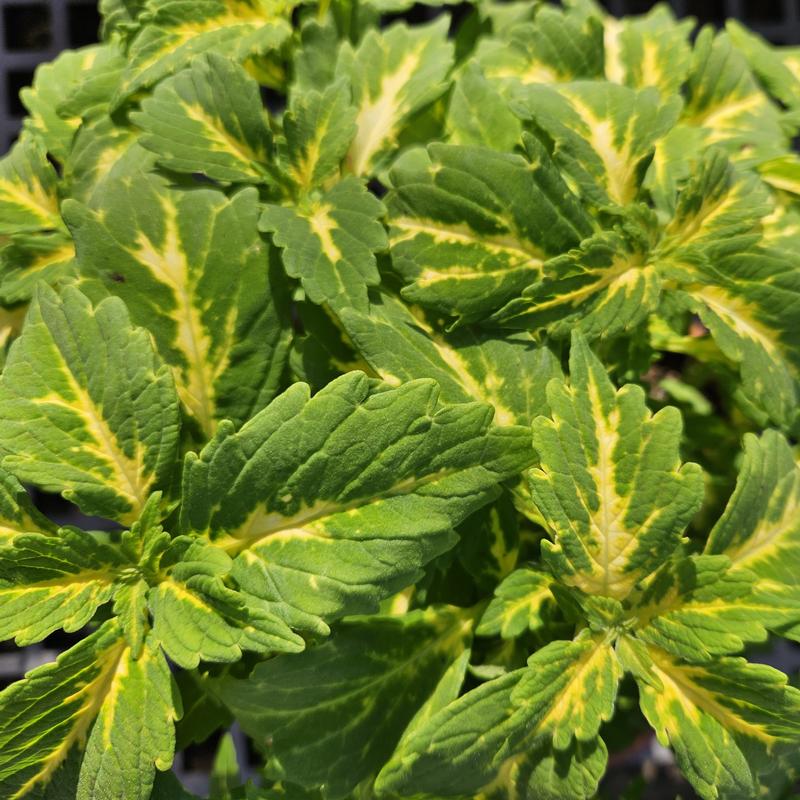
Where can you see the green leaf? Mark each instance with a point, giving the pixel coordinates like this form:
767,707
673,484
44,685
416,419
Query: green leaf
340,499
393,74
208,119
319,127
604,135
196,617
726,721
49,582
479,115
303,707
567,690
177,30
329,241
522,602
134,733
610,484
198,276
28,199
87,408
471,227
510,373
225,774
33,257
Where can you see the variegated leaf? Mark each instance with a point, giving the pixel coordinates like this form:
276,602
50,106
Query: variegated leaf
198,276
329,242
28,198
726,721
177,30
208,119
511,373
610,484
86,407
522,602
557,46
471,227
18,514
196,617
52,710
33,257
393,74
347,512
478,741
650,50
49,582
604,134
302,707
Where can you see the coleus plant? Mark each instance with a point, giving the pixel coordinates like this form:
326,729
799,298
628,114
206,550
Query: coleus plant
326,308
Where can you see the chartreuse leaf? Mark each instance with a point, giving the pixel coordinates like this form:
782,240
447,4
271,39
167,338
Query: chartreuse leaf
556,46
339,500
522,602
610,484
192,268
648,50
208,119
52,710
50,582
393,74
727,721
302,708
471,227
604,134
511,373
480,742
17,513
319,127
197,617
329,241
176,30
28,198
87,408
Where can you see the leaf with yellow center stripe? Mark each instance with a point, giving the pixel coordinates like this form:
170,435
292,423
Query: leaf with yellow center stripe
339,500
198,276
28,198
176,30
471,227
329,241
511,372
17,513
208,119
53,582
603,134
610,484
33,257
385,667
87,408
393,74
522,602
52,709
649,50
476,743
727,720
727,105
557,46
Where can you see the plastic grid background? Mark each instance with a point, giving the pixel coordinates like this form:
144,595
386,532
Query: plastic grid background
34,31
